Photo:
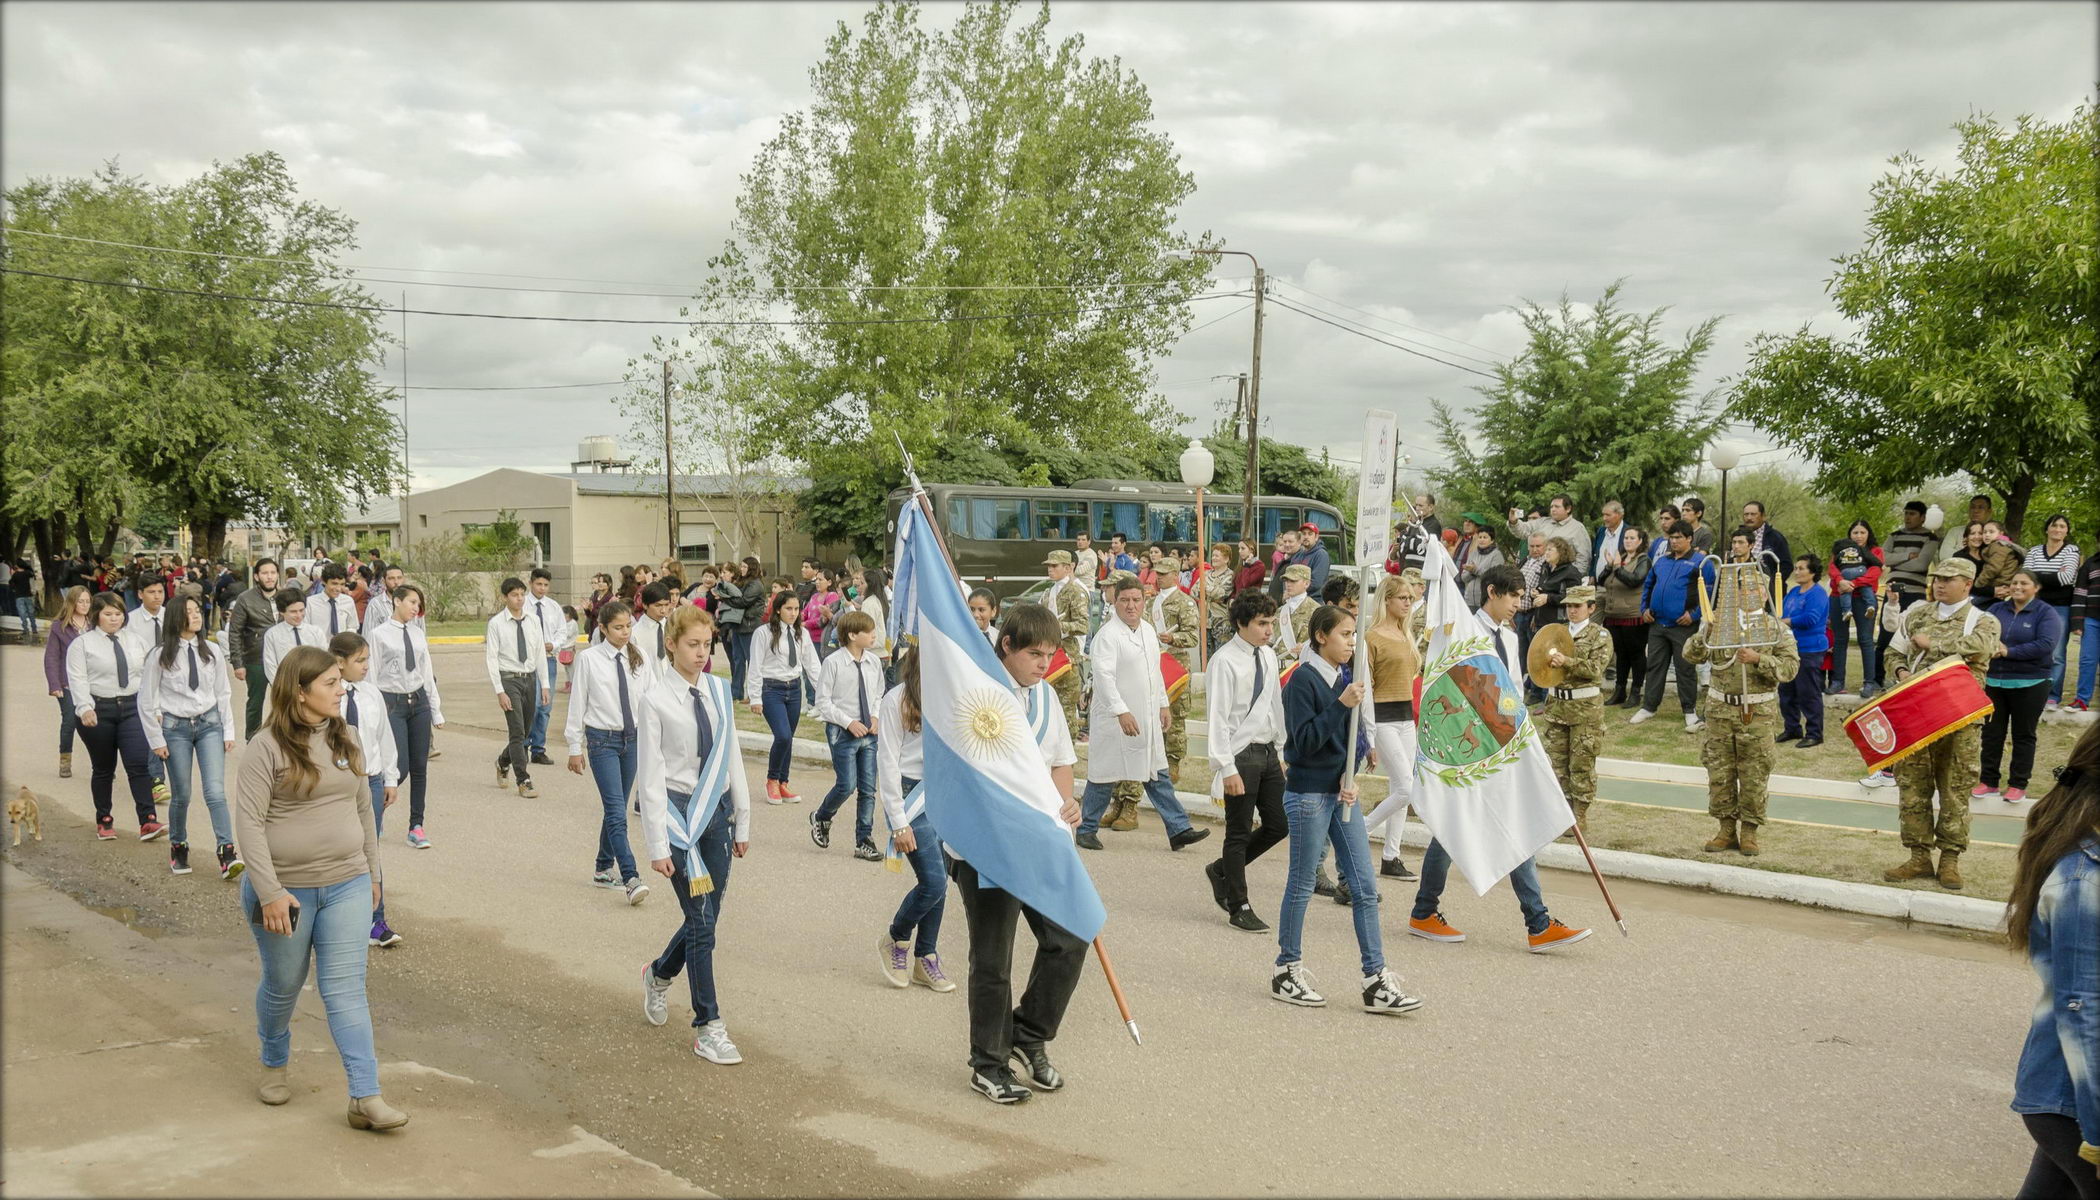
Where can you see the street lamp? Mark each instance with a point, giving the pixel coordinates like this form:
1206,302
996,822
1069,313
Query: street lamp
1725,459
1197,468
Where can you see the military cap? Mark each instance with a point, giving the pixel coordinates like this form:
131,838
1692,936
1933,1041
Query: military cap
1954,568
1058,558
1168,562
1298,571
1581,593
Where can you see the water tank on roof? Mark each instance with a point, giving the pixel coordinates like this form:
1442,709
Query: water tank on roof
599,449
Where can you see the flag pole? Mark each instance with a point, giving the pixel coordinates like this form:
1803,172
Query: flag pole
1108,969
1599,877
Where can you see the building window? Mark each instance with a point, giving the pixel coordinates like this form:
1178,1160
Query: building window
543,533
696,543
1059,520
423,520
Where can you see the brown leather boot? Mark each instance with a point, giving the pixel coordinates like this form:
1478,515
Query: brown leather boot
1746,840
1919,866
1124,818
65,766
1950,870
1724,840
371,1112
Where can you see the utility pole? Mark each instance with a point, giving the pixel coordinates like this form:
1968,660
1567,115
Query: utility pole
670,493
405,482
1252,518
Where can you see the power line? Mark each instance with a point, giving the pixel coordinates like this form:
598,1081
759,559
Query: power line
1391,320
1368,336
1316,309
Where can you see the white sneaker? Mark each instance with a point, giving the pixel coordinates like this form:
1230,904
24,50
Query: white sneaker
1692,723
1292,984
1640,716
895,958
655,1007
1879,779
637,891
713,1044
1383,994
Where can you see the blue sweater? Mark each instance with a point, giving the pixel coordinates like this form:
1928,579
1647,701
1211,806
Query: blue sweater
1315,732
1670,591
2030,639
1808,611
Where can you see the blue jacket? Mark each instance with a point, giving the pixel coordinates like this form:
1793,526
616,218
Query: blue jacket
1315,732
1808,611
2030,639
1669,592
1315,560
2063,943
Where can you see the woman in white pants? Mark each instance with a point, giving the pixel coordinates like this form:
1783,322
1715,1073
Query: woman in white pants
1396,661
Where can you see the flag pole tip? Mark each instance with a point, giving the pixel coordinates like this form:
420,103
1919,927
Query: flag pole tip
1622,927
1132,1025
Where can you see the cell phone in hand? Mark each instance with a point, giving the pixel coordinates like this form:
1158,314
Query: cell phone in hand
255,916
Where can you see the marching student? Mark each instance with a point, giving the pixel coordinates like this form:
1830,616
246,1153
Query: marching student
379,606
1294,614
186,711
656,608
611,677
1127,722
1246,733
1316,730
549,619
1395,663
908,949
249,618
783,660
401,669
331,609
565,645
72,621
849,689
696,815
290,631
984,609
518,670
364,711
145,625
103,674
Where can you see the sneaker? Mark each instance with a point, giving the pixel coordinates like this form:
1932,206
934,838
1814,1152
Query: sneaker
1556,934
416,838
787,796
1434,928
1983,791
383,935
607,878
1032,1069
1323,883
1879,779
713,1044
1393,868
2053,705
656,1007
637,891
1292,984
502,773
2015,795
819,832
151,831
178,858
160,792
1215,872
998,1087
1342,895
2079,706
105,830
527,792
1692,723
540,759
1383,994
1868,691
895,958
230,864
926,972
1243,918
865,851
773,795
435,753
1640,715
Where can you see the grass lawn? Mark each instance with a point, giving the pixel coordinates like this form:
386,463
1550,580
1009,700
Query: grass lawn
470,627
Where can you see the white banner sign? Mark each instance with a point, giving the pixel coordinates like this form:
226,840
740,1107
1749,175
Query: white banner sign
1374,488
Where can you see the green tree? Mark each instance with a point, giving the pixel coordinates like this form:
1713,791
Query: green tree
1597,406
1973,300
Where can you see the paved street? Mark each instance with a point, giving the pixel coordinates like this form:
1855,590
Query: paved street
1730,1047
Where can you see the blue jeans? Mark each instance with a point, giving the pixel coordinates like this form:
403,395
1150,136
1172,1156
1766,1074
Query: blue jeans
25,612
853,761
924,904
739,643
1524,881
611,754
204,739
692,948
2088,657
1093,804
2063,649
334,926
782,701
1315,820
1860,606
409,714
536,738
378,784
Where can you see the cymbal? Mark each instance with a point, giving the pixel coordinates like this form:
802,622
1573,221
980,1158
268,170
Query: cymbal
1545,641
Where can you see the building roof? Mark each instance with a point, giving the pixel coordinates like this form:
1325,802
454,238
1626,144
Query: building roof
383,510
618,483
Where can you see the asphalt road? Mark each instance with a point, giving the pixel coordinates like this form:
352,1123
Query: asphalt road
1729,1047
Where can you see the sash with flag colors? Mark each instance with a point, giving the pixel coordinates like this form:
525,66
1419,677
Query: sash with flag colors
1483,783
986,788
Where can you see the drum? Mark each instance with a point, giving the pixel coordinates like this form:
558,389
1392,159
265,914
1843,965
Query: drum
1544,641
1917,712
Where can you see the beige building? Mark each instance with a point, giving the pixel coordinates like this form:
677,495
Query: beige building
592,521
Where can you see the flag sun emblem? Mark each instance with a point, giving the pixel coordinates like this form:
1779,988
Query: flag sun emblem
986,724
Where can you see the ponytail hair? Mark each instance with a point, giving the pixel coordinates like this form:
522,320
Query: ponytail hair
612,610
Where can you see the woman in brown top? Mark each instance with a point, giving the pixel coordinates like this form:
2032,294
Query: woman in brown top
1396,660
303,822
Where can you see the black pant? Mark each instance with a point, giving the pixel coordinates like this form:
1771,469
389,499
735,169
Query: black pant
258,691
996,1026
117,734
409,715
523,689
1666,653
2056,1172
2021,709
1261,790
1801,699
1902,600
1629,644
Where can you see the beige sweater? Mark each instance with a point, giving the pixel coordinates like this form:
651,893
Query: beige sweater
318,839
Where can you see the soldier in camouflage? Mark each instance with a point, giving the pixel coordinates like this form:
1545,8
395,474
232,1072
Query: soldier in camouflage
1294,614
1572,721
1067,599
1946,625
1742,710
1178,625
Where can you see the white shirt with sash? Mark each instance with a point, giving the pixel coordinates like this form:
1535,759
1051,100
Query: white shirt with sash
668,761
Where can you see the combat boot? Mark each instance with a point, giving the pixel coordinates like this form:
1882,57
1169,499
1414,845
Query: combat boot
1746,841
1126,816
1950,870
1919,866
1582,816
1724,840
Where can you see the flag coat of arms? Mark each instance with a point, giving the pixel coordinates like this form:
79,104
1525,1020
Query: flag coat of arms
1483,783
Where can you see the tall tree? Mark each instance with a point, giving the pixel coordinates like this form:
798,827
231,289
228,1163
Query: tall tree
1973,300
1597,406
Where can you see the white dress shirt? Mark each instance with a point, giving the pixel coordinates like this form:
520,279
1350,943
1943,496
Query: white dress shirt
1509,654
390,669
280,640
900,754
880,648
668,759
375,733
145,628
648,637
795,657
594,691
318,606
546,616
841,682
166,691
500,649
1238,718
91,668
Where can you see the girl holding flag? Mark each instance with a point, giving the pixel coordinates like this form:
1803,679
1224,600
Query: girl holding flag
900,759
696,816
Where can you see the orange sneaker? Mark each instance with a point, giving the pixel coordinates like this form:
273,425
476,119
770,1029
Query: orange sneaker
772,791
1556,934
1435,928
787,795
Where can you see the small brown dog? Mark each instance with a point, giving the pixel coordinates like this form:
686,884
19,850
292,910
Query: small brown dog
22,811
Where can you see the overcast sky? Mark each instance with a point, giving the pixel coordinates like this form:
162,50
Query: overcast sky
1434,164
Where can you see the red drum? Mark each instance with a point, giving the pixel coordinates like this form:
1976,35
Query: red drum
1917,712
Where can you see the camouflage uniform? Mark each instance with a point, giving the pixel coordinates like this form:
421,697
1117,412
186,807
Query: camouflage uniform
1573,729
1737,747
1299,620
1178,628
1948,766
1068,601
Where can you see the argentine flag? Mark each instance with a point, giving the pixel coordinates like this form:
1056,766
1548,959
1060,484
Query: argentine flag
986,788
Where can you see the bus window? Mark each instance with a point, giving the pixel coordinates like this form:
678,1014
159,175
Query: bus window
1330,527
1059,520
1274,520
1169,523
1112,517
994,518
1222,522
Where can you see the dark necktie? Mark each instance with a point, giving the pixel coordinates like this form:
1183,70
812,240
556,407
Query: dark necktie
123,668
860,677
1501,650
335,619
350,706
659,641
517,626
703,733
193,668
1256,694
794,649
619,662
408,654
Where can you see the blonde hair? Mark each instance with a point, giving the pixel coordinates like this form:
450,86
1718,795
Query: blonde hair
683,619
1391,586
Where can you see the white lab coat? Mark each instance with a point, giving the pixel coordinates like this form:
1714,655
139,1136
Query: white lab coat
1126,680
